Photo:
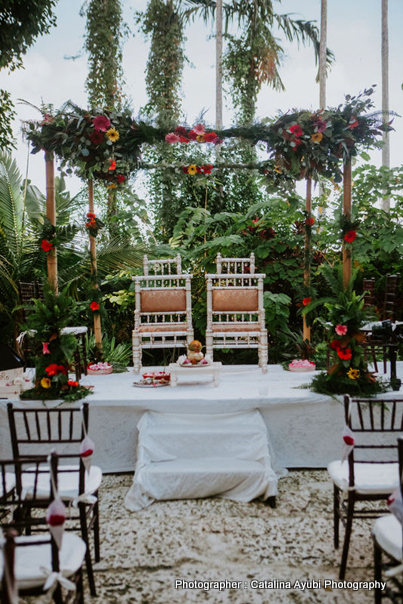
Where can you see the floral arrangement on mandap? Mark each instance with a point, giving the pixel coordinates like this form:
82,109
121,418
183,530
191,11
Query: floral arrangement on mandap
348,372
54,350
93,224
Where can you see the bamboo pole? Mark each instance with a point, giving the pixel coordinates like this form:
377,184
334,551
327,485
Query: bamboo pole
347,212
51,216
93,254
306,330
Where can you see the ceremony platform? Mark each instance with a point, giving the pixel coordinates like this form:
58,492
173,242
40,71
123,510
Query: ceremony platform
304,427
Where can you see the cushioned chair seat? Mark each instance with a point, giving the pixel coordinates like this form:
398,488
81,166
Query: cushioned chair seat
33,564
247,327
388,534
158,327
376,478
67,482
9,484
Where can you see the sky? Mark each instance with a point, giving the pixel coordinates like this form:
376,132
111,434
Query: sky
354,35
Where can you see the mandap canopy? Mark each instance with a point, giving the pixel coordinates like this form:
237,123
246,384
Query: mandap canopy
106,146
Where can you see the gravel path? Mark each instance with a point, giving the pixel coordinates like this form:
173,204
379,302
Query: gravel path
144,553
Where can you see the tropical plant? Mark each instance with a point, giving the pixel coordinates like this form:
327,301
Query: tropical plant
117,355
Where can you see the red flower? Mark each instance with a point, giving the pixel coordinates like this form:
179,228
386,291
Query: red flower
101,123
72,383
199,170
192,135
180,130
207,168
97,138
209,137
112,165
350,236
185,169
296,130
52,369
349,440
183,139
46,245
61,369
306,301
344,354
94,306
91,215
121,178
335,345
310,221
353,123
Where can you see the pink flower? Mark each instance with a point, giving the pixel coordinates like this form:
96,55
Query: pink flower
172,138
218,141
199,129
101,123
45,348
341,330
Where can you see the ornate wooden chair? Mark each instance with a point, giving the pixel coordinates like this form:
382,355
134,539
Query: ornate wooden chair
368,287
235,311
391,300
370,470
27,293
33,564
163,315
36,430
388,553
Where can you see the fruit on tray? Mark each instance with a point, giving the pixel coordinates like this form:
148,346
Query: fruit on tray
157,376
195,346
194,353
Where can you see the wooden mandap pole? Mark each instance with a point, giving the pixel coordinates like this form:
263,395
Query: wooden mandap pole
306,331
93,254
347,212
51,216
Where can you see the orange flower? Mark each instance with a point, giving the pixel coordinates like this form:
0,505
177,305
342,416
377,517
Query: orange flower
306,301
317,137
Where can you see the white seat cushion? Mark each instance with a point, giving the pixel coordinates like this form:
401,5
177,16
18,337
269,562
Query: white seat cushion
376,478
33,563
67,482
9,484
388,534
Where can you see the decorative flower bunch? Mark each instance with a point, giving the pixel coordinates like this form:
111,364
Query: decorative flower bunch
197,133
93,224
193,169
348,229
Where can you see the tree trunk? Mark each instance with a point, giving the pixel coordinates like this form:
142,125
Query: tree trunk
51,216
322,54
218,108
385,93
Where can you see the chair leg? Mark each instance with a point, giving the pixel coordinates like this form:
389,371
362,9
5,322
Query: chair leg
136,354
336,517
347,536
377,572
88,560
209,345
84,353
263,353
96,530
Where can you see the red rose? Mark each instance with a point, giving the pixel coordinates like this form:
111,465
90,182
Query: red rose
94,306
183,139
207,168
209,137
349,440
180,130
91,215
296,130
120,178
306,301
310,221
350,236
72,383
344,354
335,345
192,135
46,245
97,138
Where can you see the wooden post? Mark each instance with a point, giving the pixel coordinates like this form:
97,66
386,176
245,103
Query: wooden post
51,216
306,331
347,212
93,254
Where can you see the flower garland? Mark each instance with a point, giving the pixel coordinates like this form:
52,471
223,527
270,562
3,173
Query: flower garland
348,228
197,133
93,224
193,169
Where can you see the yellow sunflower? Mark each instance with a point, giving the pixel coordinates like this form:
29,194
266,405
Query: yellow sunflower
111,185
192,169
353,374
45,383
200,138
112,134
316,138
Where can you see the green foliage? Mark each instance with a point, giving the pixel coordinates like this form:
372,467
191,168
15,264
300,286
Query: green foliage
7,114
117,355
21,22
163,23
104,47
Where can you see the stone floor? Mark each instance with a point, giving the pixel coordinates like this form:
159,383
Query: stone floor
144,553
